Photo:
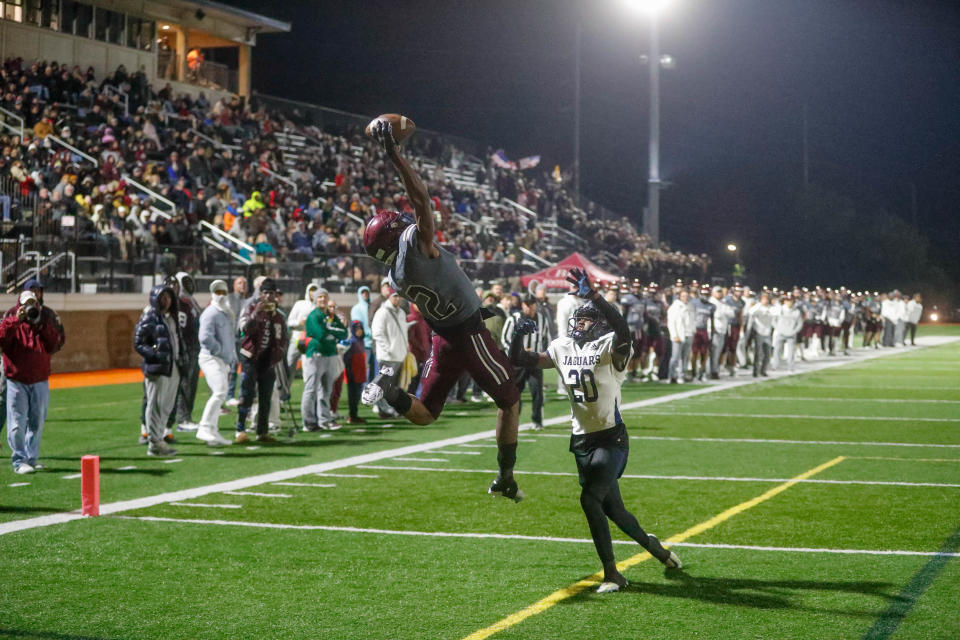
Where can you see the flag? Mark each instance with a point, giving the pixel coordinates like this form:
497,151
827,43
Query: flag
500,159
529,162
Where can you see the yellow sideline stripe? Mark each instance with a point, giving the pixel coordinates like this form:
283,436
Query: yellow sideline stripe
595,579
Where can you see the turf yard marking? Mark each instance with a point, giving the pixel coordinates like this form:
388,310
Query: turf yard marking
473,444
457,453
857,400
347,475
644,476
19,484
127,468
206,506
174,461
900,606
800,385
512,536
778,441
218,453
422,459
252,448
594,580
777,416
300,484
72,476
257,494
286,474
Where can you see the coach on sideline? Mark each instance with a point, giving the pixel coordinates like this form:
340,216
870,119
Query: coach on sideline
29,334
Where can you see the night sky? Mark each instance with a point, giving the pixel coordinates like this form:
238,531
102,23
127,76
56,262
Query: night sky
880,80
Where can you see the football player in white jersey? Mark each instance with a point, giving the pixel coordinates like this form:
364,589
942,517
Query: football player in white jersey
592,362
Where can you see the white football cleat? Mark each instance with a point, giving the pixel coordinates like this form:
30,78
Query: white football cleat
673,562
608,587
372,395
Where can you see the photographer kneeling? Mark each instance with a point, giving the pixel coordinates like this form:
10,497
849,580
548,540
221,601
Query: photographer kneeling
29,335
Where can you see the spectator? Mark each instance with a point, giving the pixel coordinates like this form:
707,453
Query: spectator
235,301
355,370
29,334
360,312
390,340
296,322
218,355
157,339
323,331
263,345
188,314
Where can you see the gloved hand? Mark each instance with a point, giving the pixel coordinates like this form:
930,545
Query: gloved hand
384,135
579,279
525,326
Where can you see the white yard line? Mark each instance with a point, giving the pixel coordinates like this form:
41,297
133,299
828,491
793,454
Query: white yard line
645,476
788,416
72,476
174,461
846,400
507,536
422,459
457,453
347,475
127,468
205,506
830,385
902,459
257,494
775,441
19,484
302,484
287,474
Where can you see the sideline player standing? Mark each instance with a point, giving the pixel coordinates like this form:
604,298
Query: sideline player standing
426,274
592,362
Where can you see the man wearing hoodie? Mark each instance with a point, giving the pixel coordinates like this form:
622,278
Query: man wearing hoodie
28,338
296,323
360,312
391,338
218,355
188,315
157,339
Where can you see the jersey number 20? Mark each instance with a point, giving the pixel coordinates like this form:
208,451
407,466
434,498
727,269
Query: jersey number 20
583,380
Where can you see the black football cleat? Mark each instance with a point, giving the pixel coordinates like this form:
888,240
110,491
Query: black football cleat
500,488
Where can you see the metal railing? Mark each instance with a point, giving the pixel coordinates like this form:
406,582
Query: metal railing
153,194
276,176
229,244
533,256
10,114
113,91
216,143
73,149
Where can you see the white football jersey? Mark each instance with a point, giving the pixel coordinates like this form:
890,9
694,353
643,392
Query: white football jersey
592,382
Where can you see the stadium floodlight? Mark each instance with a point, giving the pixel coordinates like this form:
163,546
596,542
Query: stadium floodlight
652,7
731,247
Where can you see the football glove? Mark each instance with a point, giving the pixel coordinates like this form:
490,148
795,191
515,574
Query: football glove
525,326
384,135
579,279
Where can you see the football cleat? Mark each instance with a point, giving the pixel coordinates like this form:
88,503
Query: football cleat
373,393
500,488
610,587
668,558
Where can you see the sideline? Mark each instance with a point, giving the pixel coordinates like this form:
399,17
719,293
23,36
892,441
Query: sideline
289,474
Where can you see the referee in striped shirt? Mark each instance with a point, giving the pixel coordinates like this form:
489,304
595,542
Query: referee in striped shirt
536,342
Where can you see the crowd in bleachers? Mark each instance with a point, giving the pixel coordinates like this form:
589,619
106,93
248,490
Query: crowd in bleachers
222,161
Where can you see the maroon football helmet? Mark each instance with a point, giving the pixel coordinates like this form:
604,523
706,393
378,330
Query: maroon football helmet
381,237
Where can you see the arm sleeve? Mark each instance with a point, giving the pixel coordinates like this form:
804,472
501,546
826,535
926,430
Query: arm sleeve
208,335
519,356
622,341
507,332
337,329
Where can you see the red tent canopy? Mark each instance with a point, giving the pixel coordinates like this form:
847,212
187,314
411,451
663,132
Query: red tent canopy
555,277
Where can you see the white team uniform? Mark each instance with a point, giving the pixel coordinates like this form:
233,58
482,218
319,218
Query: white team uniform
592,382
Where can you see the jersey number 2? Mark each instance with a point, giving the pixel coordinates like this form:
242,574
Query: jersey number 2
583,380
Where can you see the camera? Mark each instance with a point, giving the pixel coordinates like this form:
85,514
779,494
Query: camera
32,314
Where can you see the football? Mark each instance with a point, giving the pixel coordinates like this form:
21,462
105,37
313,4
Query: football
403,126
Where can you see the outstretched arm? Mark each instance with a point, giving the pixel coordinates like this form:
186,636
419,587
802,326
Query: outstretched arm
520,356
622,340
416,190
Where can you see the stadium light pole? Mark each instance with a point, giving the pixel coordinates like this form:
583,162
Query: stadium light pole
653,9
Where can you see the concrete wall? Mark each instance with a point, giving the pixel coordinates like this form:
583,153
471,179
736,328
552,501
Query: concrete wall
33,43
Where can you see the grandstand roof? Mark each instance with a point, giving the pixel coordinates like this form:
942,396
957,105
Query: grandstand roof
242,17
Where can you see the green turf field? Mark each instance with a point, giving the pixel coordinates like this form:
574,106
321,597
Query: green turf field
821,505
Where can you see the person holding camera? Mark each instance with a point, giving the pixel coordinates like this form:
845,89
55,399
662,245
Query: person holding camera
263,344
29,335
158,340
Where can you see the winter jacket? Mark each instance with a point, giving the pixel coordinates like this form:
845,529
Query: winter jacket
263,335
27,347
298,315
390,333
188,317
216,334
355,358
323,333
360,312
152,339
